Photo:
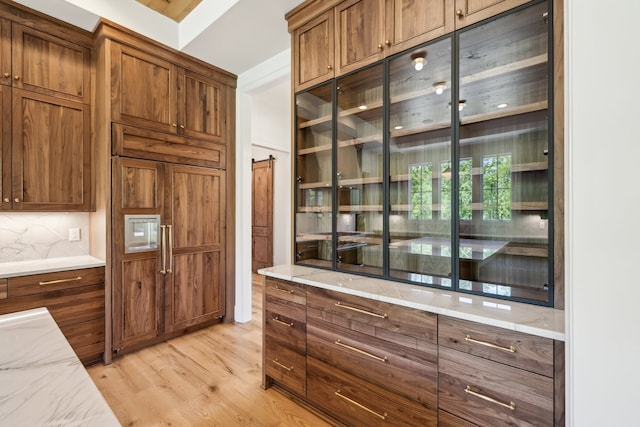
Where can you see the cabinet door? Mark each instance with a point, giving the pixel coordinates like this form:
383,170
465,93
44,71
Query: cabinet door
313,51
471,11
411,22
47,64
137,280
144,90
5,52
360,36
51,153
201,106
195,208
5,147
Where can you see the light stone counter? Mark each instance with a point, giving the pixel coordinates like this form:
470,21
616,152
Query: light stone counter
42,382
49,265
531,319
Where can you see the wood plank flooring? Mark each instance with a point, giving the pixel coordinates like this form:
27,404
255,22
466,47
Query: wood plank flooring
208,378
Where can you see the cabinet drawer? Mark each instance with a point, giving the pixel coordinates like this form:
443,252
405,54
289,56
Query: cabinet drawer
488,393
359,403
405,371
513,348
86,339
67,306
49,282
445,419
4,289
286,329
286,366
285,293
401,325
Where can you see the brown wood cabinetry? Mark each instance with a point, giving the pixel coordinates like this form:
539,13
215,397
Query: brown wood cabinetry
45,101
471,11
313,51
75,299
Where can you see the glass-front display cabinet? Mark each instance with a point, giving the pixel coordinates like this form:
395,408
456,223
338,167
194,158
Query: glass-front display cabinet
434,165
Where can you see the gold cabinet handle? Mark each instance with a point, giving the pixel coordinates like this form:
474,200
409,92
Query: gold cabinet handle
329,67
509,405
380,46
277,320
282,366
7,200
170,233
510,349
181,126
459,13
359,310
382,416
17,200
163,248
55,282
387,42
16,78
288,291
175,125
358,350
7,75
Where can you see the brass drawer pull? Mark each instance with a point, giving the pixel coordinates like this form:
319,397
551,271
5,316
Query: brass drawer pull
361,406
357,350
359,310
510,349
282,366
509,405
277,320
288,291
55,282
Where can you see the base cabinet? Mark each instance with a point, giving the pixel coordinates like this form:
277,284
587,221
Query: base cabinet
364,362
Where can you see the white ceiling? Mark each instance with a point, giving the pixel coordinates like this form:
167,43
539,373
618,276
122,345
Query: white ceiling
235,35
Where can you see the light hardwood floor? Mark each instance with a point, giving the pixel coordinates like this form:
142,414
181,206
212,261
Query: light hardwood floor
208,378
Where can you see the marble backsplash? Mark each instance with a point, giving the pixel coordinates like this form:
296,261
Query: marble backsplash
43,235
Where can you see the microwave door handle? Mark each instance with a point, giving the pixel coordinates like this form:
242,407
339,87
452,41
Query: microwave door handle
170,233
163,248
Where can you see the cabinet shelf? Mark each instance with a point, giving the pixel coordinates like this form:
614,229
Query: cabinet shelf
313,150
360,208
371,106
363,140
312,185
361,181
319,121
314,209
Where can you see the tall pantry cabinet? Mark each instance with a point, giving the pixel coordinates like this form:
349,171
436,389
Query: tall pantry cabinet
164,123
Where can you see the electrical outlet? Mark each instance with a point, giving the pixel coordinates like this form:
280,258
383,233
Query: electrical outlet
74,234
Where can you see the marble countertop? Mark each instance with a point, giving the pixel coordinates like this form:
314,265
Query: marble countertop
50,265
42,382
531,319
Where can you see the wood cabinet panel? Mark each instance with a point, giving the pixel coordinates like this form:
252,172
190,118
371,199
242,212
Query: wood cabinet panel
358,402
5,147
513,348
412,22
87,339
4,289
492,394
446,419
313,51
5,52
284,328
201,107
471,11
49,282
286,366
139,186
51,155
293,294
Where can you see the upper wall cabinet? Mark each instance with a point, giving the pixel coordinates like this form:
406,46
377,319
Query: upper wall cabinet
313,48
45,98
152,92
471,11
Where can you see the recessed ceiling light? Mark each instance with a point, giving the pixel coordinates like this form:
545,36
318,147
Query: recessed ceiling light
503,105
439,87
398,127
363,107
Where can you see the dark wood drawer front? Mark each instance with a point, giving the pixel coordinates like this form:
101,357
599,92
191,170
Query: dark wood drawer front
360,403
286,329
50,282
446,419
492,394
513,348
283,292
4,289
286,366
286,308
401,325
406,371
67,306
87,339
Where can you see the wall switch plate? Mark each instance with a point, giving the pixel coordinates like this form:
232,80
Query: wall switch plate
74,234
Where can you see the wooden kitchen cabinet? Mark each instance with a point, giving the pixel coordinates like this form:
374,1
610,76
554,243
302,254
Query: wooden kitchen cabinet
153,92
471,11
45,70
179,283
313,51
75,299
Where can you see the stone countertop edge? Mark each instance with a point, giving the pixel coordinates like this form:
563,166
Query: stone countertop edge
49,265
532,319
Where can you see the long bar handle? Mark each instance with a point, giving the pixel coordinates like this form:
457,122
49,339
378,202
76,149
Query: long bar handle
277,320
53,282
510,349
509,405
358,350
163,245
282,366
277,288
360,405
170,233
359,310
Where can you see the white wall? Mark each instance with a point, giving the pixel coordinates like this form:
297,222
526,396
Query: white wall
603,203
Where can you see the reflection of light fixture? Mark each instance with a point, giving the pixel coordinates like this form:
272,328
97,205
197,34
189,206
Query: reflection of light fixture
446,173
419,60
398,127
503,105
461,104
439,87
363,107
